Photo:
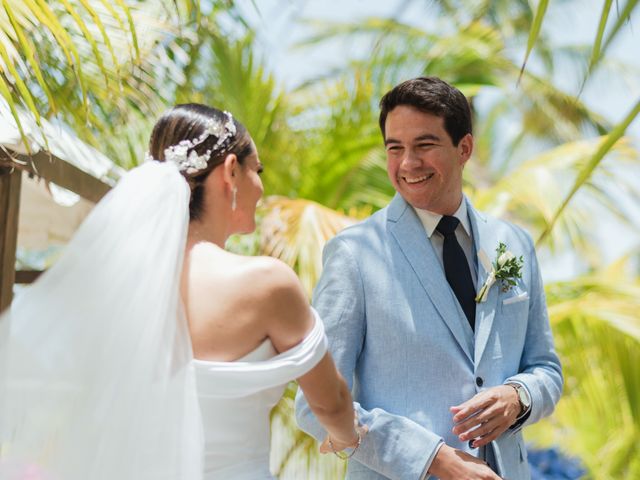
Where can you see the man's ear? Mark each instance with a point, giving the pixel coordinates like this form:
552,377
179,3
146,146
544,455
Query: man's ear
230,169
465,148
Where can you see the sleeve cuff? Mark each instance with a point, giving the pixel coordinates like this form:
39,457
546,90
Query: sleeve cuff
425,474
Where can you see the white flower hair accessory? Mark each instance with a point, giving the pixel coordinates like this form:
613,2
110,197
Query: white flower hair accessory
192,162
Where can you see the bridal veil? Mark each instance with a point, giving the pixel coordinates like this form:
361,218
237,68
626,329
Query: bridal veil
96,378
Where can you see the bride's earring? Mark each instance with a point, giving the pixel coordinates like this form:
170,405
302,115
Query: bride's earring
234,203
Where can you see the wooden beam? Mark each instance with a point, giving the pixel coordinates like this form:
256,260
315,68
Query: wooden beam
27,276
58,171
52,169
10,181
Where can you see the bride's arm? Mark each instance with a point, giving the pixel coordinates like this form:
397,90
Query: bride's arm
289,320
330,400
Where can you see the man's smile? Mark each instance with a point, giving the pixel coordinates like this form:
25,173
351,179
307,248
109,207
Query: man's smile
420,179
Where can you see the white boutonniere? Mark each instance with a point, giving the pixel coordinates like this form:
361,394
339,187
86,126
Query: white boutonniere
507,268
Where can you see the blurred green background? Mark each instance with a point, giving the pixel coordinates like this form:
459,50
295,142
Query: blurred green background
555,91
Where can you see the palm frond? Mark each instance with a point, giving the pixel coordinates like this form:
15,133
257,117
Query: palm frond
598,338
294,454
588,169
534,32
295,231
601,45
82,59
370,26
531,193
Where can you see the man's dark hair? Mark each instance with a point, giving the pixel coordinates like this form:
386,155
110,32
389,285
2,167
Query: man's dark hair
434,96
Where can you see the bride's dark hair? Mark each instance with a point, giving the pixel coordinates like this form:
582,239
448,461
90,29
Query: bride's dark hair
187,122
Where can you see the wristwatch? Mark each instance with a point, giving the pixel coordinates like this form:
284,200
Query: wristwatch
523,397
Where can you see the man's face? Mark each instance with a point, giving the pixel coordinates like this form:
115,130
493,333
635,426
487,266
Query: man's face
423,164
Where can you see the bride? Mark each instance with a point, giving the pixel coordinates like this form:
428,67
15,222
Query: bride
148,351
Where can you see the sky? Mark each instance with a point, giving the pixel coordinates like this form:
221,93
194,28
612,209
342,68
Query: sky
280,25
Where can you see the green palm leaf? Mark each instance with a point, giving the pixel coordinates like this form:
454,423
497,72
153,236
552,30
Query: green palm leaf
294,454
535,30
29,53
531,193
587,171
601,45
82,59
598,338
295,231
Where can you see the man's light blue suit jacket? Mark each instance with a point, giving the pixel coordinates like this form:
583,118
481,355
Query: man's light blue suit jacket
404,345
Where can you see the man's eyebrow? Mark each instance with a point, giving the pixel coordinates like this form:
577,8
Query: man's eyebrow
426,136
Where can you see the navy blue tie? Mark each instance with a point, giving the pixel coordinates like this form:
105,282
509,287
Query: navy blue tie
456,268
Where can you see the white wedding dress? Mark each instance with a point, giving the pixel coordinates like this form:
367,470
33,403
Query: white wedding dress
97,375
236,399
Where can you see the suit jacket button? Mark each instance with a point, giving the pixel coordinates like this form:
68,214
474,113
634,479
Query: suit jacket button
479,381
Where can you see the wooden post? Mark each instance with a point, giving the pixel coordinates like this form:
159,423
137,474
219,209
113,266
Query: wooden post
50,168
27,276
10,180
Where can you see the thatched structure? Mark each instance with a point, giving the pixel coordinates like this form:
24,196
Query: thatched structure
61,160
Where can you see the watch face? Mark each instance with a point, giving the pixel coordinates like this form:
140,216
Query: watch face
522,395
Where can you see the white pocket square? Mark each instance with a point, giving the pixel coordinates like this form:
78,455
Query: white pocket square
518,298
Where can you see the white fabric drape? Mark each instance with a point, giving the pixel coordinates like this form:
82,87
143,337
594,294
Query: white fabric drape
96,379
243,378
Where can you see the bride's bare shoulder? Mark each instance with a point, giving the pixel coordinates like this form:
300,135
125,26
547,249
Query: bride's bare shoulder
262,292
270,277
258,278
284,306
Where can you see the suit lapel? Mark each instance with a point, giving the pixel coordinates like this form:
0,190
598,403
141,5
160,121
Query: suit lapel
485,242
408,232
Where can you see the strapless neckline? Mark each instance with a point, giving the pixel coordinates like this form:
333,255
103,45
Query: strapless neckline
264,351
236,399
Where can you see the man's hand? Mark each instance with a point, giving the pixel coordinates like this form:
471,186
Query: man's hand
452,464
486,416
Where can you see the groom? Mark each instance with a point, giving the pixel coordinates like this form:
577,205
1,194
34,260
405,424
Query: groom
445,383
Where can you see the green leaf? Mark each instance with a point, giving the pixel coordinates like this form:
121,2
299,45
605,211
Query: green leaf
20,84
25,45
597,44
105,37
132,29
89,37
534,32
623,17
49,19
6,93
599,49
617,132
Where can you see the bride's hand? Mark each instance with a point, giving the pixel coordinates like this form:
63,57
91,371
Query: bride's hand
359,432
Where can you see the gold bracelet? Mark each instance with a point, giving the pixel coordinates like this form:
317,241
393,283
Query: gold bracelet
346,456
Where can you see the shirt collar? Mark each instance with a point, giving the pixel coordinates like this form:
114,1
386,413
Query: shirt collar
430,220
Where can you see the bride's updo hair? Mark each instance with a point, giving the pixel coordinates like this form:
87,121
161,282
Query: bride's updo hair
188,122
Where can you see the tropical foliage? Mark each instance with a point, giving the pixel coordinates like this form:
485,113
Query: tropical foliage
561,171
542,157
597,331
106,68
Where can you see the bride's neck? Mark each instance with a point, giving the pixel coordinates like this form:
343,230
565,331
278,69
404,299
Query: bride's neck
206,232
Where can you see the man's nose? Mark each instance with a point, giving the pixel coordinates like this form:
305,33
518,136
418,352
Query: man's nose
410,159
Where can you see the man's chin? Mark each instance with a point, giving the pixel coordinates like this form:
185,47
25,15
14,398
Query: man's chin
418,202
